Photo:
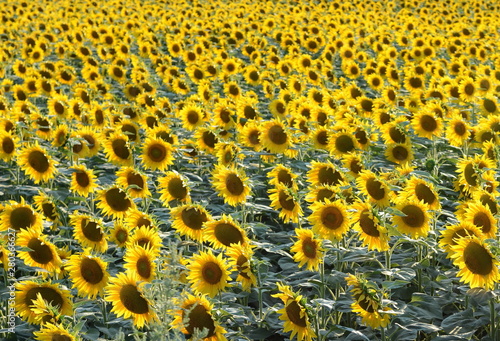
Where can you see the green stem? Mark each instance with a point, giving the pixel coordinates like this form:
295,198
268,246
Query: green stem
492,319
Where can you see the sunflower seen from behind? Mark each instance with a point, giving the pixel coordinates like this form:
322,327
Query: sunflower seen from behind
127,297
208,273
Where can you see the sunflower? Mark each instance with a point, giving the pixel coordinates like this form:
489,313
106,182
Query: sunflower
19,216
192,116
140,262
88,231
329,219
127,297
117,149
307,249
133,181
375,189
8,145
173,186
208,274
414,219
467,89
282,175
452,233
27,292
285,199
478,266
115,202
473,171
481,216
231,183
83,180
91,138
324,173
195,317
188,220
228,153
224,232
52,332
60,135
43,253
457,131
36,163
120,234
354,163
371,232
250,136
157,154
367,304
295,314
88,274
274,136
422,190
426,124
206,139
46,206
400,153
136,218
240,257
146,237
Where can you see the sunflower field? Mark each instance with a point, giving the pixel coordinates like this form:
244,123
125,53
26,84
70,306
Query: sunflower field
249,170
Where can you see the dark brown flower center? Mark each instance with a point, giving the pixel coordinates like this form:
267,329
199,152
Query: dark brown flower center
132,299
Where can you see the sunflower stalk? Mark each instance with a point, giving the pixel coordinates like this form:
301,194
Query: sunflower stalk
493,318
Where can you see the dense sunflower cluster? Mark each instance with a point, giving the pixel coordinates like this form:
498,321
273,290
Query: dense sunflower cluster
126,126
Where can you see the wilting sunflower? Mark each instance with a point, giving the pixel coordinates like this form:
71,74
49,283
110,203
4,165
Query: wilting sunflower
127,297
478,266
453,233
324,173
421,190
415,218
53,332
88,274
43,253
274,136
224,232
188,220
195,316
329,219
88,231
367,304
36,163
240,257
83,180
307,249
208,274
375,189
157,154
295,314
481,216
173,186
19,216
285,199
134,182
53,294
117,149
46,206
282,175
114,202
145,236
371,232
231,183
140,262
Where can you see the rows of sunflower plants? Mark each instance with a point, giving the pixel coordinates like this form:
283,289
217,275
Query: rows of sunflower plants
249,170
